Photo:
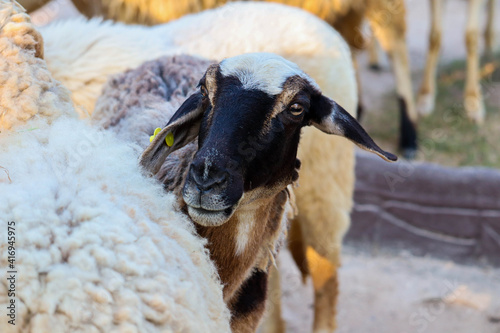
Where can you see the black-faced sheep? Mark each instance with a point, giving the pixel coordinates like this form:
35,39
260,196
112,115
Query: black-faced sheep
82,54
236,193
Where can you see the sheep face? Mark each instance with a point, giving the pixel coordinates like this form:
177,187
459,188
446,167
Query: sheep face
248,116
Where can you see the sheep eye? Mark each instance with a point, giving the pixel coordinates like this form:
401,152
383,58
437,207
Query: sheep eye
296,109
204,91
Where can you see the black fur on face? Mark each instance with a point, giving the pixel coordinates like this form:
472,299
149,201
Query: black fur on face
247,140
247,117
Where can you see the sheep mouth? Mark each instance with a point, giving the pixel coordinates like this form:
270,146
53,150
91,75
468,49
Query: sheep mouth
210,218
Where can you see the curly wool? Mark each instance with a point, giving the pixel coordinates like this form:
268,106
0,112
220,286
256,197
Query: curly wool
23,70
99,246
147,96
136,102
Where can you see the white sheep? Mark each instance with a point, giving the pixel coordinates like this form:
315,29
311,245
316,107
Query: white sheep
97,245
99,49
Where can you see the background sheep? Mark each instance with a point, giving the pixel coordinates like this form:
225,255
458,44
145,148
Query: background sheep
100,49
98,245
473,98
387,18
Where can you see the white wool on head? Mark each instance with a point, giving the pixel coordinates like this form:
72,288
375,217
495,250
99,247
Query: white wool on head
99,245
262,71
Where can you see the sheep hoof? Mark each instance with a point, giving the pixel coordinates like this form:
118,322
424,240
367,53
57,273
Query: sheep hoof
375,67
409,153
425,104
474,107
408,140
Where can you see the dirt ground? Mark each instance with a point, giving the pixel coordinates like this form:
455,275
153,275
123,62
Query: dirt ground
392,293
399,293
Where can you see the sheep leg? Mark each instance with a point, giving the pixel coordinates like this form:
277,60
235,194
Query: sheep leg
373,55
323,212
473,99
489,32
297,248
324,277
360,109
427,94
323,271
388,23
248,305
273,322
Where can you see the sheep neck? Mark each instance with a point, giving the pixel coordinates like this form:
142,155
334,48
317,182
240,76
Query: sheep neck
262,220
262,212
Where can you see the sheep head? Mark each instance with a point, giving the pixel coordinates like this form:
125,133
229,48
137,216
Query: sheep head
247,116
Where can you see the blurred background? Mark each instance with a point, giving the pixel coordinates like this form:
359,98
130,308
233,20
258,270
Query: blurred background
423,256
455,141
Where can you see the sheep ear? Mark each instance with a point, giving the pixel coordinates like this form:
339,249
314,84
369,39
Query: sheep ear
182,129
331,118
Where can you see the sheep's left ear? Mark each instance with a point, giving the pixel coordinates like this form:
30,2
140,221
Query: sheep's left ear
331,118
182,129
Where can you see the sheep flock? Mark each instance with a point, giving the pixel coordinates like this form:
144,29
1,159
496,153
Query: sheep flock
101,246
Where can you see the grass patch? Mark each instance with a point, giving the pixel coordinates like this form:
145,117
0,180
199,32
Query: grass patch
446,136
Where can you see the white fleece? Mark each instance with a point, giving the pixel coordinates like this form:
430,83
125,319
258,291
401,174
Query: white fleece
99,48
99,246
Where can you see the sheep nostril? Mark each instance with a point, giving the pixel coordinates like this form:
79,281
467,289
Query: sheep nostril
207,181
220,177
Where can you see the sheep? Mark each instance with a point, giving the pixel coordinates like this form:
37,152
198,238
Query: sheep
132,105
96,244
246,117
100,49
387,18
473,99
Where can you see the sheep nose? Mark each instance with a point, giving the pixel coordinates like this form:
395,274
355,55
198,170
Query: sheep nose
206,177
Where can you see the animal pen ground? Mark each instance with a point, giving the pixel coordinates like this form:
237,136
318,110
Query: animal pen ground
388,290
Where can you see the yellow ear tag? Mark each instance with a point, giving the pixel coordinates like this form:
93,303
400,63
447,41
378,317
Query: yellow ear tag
157,130
169,139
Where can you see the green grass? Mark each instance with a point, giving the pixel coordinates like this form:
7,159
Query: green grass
446,136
